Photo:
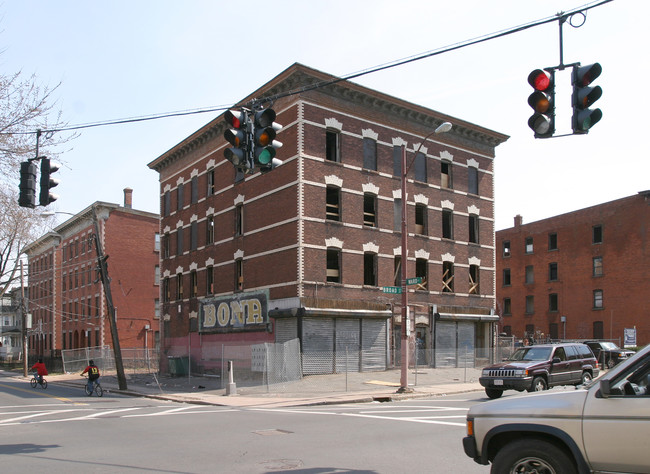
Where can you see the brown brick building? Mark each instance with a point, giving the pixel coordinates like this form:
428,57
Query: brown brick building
305,250
579,275
67,300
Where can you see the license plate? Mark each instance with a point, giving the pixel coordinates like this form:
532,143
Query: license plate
498,382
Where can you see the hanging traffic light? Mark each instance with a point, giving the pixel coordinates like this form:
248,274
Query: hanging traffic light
584,96
265,144
237,136
27,196
542,100
47,182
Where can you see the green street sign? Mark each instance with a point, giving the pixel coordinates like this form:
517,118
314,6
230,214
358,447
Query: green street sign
396,290
414,281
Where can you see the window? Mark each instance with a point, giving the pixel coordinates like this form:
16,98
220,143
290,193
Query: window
179,286
194,231
179,241
194,190
507,330
472,178
397,214
397,160
420,167
166,245
447,277
552,271
553,333
598,299
211,188
239,219
156,242
179,196
370,269
421,266
445,175
506,248
447,224
528,248
369,154
473,229
239,274
552,302
421,219
333,203
530,304
332,146
156,275
597,266
194,284
397,271
369,210
597,234
552,241
599,330
209,230
506,277
507,306
333,265
530,330
209,280
167,204
530,275
474,280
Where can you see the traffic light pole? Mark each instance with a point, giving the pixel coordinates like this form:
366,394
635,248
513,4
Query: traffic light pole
106,283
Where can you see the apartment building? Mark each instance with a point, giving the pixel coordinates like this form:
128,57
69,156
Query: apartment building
579,275
306,250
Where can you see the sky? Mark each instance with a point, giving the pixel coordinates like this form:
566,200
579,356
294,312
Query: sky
124,59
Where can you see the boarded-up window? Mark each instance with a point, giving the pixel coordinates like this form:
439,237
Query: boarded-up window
472,180
332,146
370,269
420,167
334,265
369,154
333,203
369,210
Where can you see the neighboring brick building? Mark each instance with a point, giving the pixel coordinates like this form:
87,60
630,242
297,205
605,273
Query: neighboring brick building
579,275
67,300
304,251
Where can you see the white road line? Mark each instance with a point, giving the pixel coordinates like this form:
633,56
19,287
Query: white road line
416,411
411,420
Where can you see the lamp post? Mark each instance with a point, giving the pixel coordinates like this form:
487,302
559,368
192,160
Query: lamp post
444,127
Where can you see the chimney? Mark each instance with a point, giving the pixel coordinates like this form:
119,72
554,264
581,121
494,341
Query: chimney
128,198
518,220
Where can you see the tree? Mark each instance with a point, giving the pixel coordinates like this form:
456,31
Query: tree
26,108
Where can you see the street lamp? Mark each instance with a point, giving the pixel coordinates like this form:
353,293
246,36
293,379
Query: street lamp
442,128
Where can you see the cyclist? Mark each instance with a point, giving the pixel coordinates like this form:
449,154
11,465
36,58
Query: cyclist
40,369
93,375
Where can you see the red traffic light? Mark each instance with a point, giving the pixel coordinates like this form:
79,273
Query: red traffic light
540,80
235,118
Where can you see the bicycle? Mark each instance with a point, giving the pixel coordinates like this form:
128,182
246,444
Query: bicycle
34,381
97,388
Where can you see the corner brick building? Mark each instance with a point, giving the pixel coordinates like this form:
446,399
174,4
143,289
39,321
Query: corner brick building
305,250
580,275
67,300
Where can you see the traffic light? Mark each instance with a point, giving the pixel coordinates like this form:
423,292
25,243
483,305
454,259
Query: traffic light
265,144
542,100
47,182
584,96
237,136
27,197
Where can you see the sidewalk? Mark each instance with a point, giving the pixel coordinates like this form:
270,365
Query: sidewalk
335,389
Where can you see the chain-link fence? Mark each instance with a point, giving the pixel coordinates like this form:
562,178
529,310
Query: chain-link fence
136,361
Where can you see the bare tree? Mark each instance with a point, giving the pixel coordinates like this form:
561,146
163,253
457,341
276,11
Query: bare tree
25,109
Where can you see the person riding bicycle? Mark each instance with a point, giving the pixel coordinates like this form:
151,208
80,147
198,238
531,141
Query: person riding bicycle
93,375
40,371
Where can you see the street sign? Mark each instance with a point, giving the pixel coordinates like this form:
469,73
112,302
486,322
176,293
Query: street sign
414,281
396,290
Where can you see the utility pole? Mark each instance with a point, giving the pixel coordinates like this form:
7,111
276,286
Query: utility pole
106,283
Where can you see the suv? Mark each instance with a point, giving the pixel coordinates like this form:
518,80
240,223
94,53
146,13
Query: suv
536,368
603,427
608,353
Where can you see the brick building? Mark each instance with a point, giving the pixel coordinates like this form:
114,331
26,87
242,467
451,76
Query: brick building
67,300
305,250
579,275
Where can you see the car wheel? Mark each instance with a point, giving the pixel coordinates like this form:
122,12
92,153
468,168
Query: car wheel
539,385
493,393
586,377
532,455
611,363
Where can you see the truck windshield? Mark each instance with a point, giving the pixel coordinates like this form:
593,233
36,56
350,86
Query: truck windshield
532,353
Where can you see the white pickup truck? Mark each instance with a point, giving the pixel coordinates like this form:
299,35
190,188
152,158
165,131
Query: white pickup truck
603,426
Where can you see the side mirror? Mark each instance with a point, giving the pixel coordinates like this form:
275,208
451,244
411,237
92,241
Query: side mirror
605,388
556,360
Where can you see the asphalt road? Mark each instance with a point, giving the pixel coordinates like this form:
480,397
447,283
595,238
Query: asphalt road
60,430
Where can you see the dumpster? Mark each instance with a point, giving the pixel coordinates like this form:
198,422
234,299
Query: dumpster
178,366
